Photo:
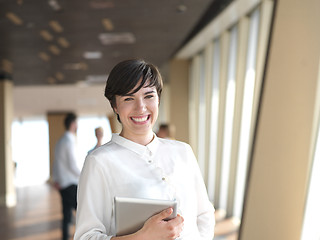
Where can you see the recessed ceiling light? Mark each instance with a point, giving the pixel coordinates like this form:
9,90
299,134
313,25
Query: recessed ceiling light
59,76
107,24
117,38
76,66
51,80
54,49
7,66
54,5
14,18
63,42
44,56
46,35
92,55
56,26
181,8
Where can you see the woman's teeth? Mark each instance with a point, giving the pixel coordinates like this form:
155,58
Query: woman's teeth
140,119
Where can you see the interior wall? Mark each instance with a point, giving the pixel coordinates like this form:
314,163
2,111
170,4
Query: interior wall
56,130
179,88
276,193
82,99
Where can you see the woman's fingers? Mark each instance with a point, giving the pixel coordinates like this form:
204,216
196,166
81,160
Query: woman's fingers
177,220
178,224
164,214
157,228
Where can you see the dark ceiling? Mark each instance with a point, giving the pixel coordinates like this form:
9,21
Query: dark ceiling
61,41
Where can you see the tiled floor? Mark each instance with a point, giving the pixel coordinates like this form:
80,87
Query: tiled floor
37,215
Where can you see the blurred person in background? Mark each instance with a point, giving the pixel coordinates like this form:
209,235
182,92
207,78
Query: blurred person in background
99,135
66,173
166,131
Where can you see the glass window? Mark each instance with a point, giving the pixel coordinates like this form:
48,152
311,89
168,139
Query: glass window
229,112
30,146
86,134
193,102
202,116
214,120
311,228
246,115
30,151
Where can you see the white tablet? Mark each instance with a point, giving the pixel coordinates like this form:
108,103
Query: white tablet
131,213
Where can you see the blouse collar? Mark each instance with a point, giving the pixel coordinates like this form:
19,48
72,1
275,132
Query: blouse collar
136,147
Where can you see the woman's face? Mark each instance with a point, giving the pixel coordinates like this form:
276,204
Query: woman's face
138,113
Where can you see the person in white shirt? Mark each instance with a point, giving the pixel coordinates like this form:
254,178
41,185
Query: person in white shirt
65,174
136,163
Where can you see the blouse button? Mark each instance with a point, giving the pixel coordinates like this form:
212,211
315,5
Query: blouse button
163,178
149,161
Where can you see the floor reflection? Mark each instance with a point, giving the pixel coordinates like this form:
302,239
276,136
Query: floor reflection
37,215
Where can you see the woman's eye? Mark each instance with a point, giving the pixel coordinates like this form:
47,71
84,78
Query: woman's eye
128,99
149,96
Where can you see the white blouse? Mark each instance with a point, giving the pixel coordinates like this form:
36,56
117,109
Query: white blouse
164,169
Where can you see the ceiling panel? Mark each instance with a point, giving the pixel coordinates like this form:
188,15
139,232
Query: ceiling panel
157,27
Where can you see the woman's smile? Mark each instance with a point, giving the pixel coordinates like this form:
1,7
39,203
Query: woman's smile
141,119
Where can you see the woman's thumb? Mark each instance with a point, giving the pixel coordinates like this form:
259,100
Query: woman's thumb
165,213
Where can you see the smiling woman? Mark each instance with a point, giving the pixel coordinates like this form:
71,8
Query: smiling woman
138,164
138,113
136,99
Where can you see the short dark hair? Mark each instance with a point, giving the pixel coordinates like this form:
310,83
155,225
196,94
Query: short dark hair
125,76
70,118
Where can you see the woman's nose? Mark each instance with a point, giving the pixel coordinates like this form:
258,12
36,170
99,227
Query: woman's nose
140,105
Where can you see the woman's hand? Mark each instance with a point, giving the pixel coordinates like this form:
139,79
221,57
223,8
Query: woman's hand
158,229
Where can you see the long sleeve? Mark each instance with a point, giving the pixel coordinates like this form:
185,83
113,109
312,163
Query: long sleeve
94,204
205,219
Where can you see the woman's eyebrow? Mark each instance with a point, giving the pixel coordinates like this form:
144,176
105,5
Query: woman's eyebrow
132,94
152,91
127,95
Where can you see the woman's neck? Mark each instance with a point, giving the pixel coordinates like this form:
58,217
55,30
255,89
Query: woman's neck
143,139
